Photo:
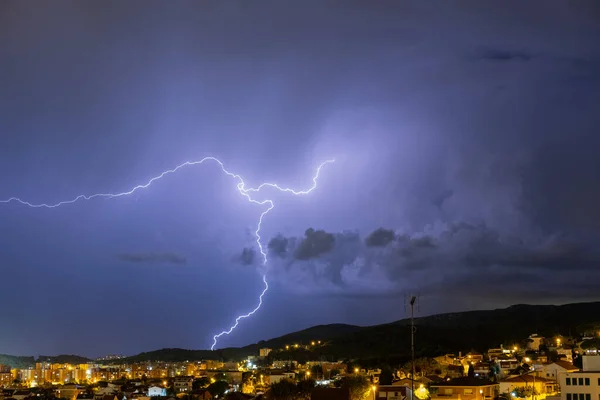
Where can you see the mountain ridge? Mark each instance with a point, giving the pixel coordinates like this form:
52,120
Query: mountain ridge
437,334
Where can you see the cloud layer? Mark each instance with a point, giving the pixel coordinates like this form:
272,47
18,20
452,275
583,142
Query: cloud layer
458,259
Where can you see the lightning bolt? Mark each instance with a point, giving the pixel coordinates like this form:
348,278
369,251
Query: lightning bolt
241,187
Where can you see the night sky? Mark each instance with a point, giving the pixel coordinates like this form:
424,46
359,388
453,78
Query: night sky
465,134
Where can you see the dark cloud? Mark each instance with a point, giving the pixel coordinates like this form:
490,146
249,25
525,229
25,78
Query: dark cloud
278,245
380,237
248,256
464,254
314,244
163,258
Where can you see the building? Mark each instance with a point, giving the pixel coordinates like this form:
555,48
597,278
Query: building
556,369
481,369
69,392
584,384
465,388
392,392
474,357
6,378
264,352
277,376
455,371
21,394
183,384
526,383
534,342
566,353
506,366
154,391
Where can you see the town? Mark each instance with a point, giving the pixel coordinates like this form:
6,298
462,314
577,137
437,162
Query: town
536,369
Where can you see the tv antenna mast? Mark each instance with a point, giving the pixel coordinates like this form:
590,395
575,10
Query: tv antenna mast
413,301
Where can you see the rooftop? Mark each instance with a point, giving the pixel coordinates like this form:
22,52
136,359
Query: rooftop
466,381
526,378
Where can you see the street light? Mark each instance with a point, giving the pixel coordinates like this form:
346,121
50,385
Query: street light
374,388
356,370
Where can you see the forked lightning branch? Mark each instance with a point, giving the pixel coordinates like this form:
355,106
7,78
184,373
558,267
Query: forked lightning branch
241,186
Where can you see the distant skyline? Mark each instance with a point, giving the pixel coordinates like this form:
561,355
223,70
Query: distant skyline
464,134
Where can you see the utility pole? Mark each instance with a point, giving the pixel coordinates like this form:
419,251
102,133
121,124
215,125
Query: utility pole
412,345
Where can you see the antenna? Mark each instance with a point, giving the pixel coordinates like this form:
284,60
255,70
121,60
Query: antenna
413,301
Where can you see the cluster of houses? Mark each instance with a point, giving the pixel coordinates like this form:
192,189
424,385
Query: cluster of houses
509,373
542,370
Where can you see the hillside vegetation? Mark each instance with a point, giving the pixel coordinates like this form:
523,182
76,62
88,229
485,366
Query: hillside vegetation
435,335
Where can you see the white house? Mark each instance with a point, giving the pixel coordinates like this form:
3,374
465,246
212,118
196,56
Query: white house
154,391
556,369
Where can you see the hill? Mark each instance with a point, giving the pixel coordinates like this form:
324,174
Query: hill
322,332
17,361
64,359
23,362
435,335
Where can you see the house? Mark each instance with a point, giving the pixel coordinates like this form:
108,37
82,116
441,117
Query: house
465,388
276,376
392,392
506,366
566,353
21,394
455,371
330,394
105,391
556,369
481,369
154,391
474,357
183,384
534,342
543,387
69,392
85,396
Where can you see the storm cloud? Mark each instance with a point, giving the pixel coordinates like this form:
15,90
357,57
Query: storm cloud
460,254
380,237
469,130
314,244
